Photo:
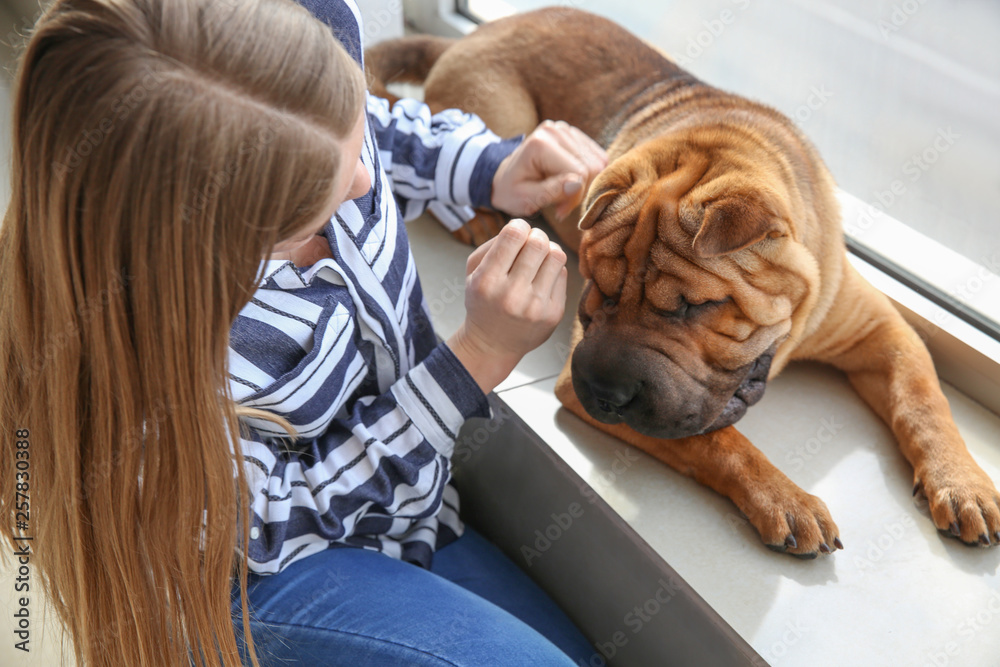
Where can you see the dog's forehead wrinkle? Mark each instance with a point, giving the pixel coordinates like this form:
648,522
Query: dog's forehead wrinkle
651,202
668,288
610,244
714,375
763,308
636,251
773,295
608,273
631,187
664,291
617,218
680,354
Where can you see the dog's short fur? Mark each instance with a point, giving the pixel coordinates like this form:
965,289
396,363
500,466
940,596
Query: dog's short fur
713,255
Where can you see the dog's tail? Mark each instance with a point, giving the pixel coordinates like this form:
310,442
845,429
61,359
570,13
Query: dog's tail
404,60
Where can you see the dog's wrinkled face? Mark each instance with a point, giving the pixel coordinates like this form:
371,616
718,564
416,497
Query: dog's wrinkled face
693,278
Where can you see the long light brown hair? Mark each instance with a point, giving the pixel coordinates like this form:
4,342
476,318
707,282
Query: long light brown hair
160,149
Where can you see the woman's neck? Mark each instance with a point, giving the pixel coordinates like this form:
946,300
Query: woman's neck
308,253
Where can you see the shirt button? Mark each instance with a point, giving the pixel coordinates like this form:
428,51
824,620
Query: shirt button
254,533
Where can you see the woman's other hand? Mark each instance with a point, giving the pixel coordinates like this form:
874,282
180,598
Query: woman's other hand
515,296
553,165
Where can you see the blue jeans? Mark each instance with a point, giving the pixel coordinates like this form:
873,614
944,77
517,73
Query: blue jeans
355,607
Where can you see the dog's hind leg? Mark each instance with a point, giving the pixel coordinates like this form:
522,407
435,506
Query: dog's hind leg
503,104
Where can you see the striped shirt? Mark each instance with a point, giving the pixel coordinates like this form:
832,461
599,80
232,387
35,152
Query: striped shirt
345,351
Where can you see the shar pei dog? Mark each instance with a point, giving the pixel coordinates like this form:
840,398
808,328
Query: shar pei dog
713,255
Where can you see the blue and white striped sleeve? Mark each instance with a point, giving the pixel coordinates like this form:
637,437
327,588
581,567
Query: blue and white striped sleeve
376,472
446,160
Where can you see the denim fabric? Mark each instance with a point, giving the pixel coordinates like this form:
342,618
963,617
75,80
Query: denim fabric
358,608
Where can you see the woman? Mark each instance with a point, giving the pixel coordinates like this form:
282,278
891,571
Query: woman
168,303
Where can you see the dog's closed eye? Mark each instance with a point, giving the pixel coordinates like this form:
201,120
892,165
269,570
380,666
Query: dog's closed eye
689,309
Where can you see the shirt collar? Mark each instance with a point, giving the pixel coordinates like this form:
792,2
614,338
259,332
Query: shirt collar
283,272
287,276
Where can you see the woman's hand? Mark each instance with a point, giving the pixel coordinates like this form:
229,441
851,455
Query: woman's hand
515,295
553,165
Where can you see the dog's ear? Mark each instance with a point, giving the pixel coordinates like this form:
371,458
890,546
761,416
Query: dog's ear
733,223
597,207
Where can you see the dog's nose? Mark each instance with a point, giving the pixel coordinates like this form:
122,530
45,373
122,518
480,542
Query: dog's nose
612,398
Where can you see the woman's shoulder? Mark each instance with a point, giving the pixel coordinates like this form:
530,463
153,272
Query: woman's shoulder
344,19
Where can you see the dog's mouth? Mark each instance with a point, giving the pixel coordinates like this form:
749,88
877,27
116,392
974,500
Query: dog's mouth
667,413
750,391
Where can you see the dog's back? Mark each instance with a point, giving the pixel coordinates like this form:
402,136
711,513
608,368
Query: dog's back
558,63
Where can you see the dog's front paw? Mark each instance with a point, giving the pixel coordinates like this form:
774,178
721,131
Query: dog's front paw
963,502
481,228
791,521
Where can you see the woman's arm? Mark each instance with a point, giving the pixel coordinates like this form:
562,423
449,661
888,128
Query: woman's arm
380,467
449,158
376,470
451,161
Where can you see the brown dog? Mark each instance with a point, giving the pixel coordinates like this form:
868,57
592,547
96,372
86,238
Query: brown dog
713,255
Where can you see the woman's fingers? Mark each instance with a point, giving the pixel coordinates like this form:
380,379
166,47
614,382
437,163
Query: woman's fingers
548,273
590,159
498,255
477,256
532,255
554,165
537,270
558,294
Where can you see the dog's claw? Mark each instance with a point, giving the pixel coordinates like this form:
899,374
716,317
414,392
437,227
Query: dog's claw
837,543
917,488
824,547
790,542
963,503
